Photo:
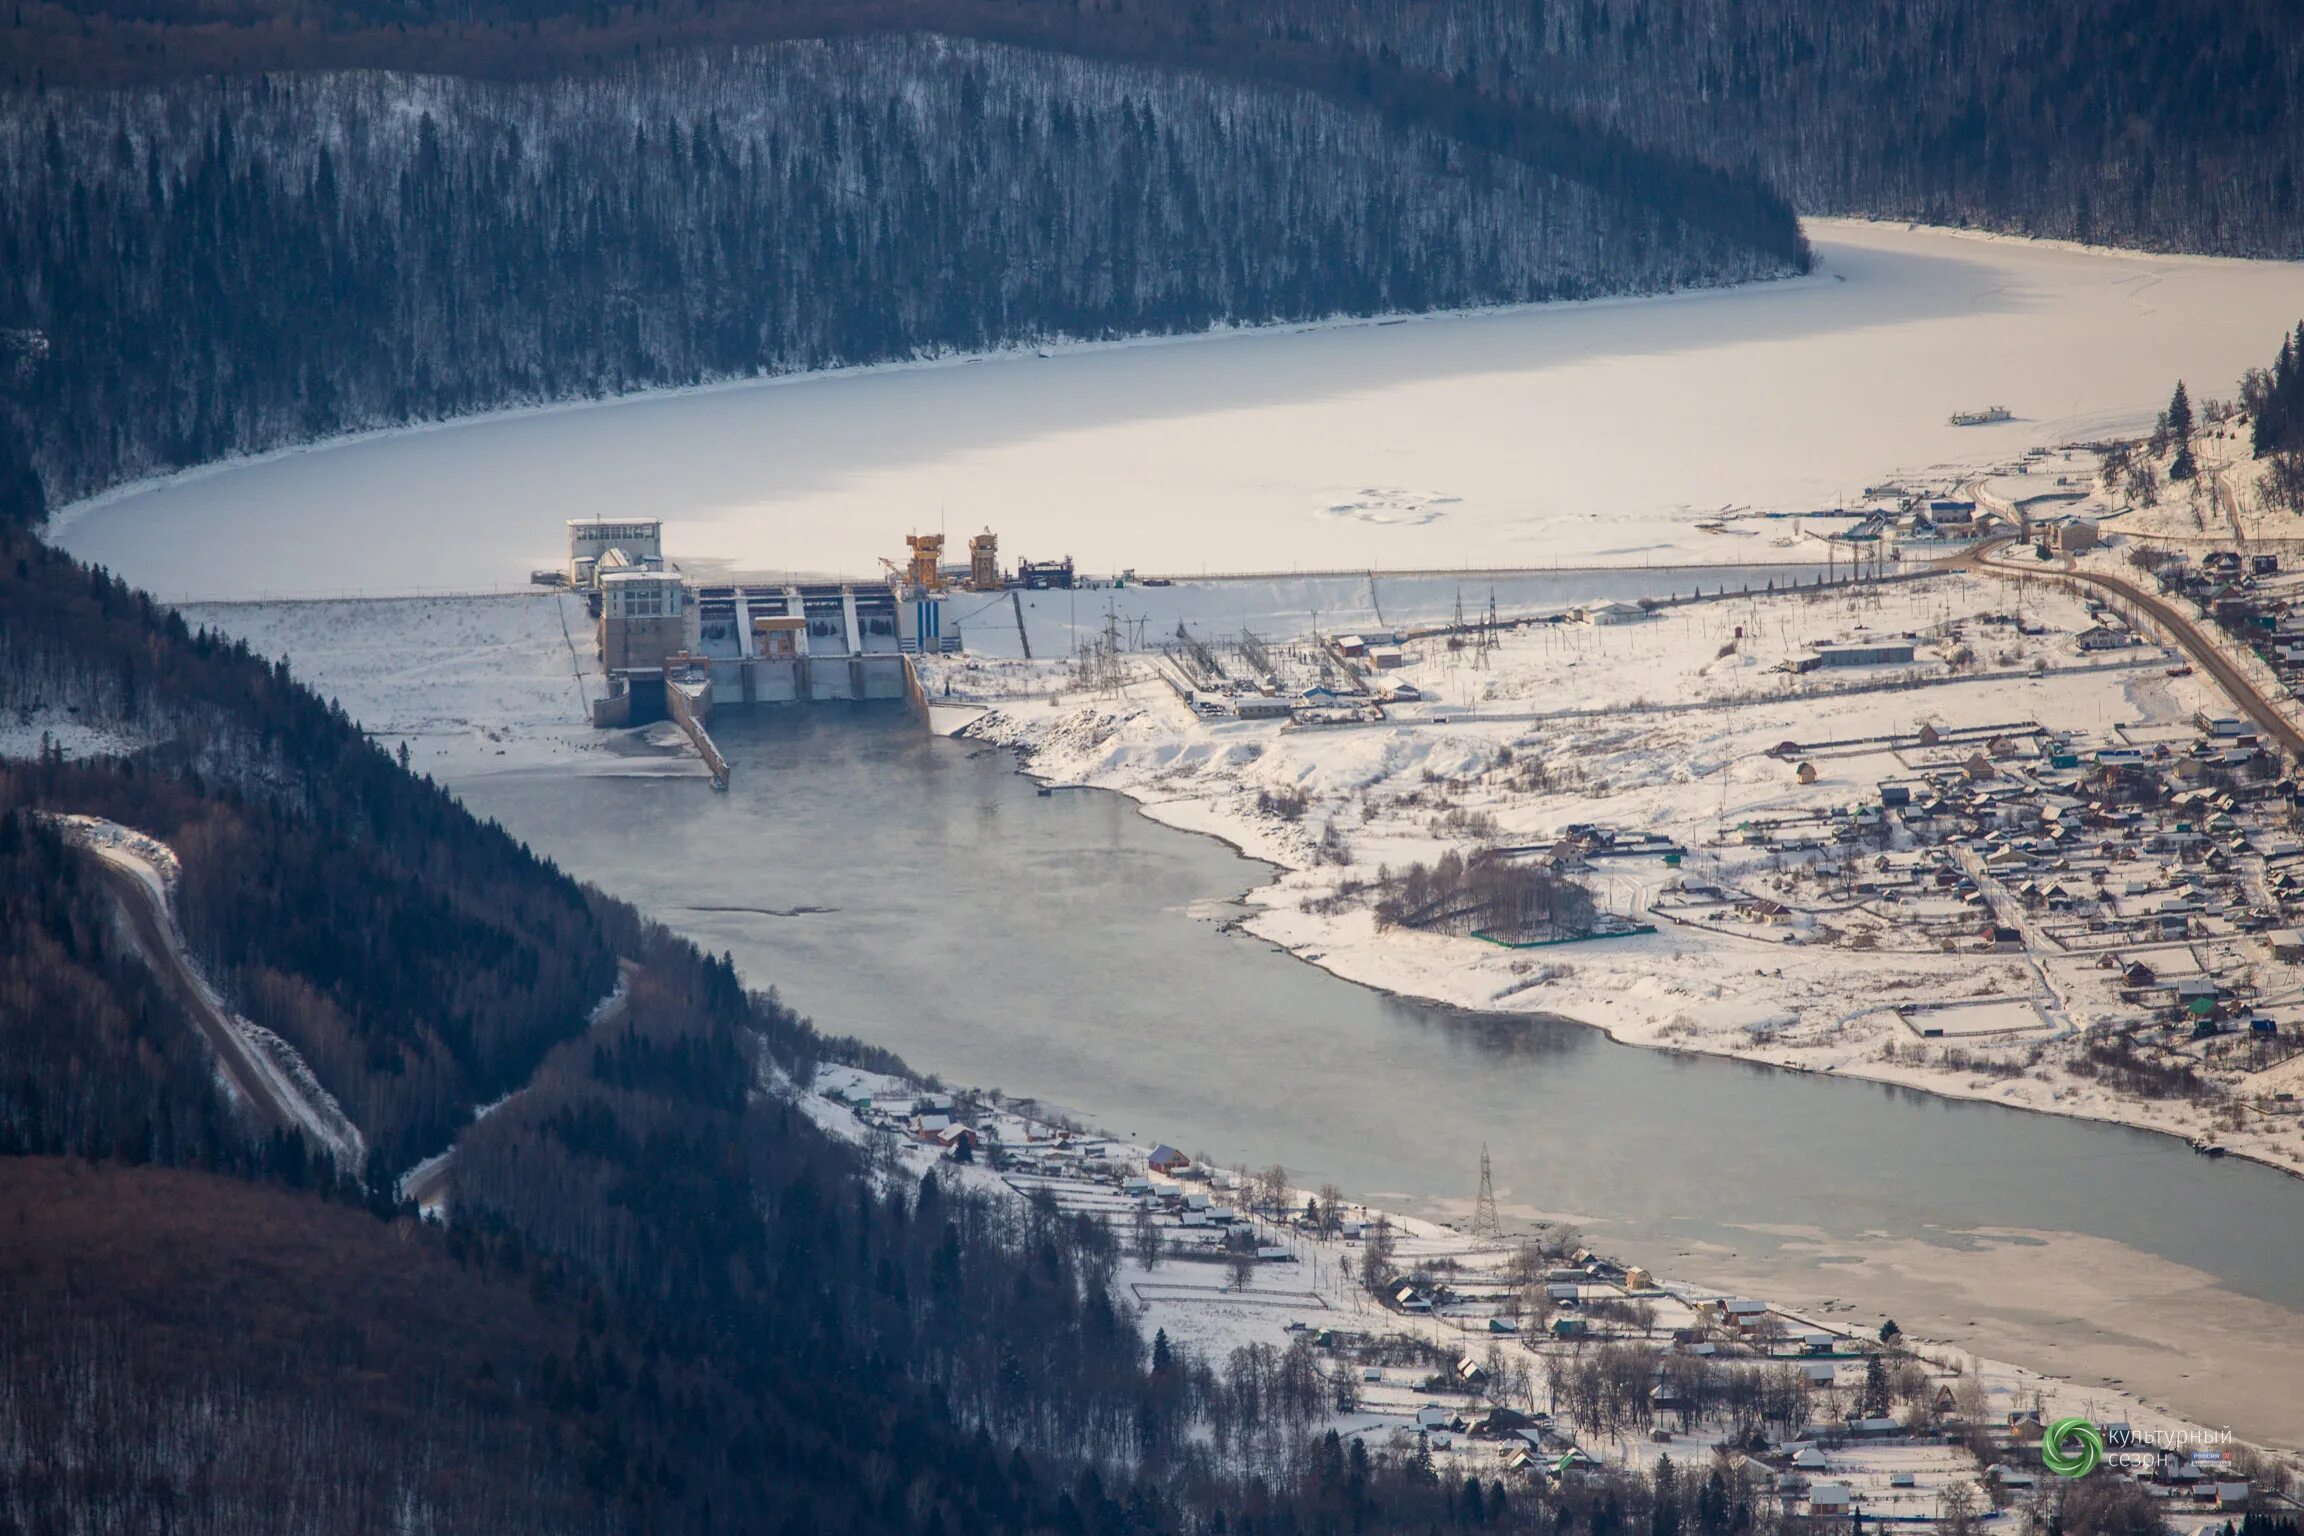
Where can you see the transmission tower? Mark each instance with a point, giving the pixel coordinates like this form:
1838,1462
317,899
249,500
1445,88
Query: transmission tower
1484,1218
1108,656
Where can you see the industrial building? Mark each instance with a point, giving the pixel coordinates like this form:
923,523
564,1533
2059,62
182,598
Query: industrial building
2076,536
1046,575
765,642
644,617
1871,653
1613,613
629,543
923,571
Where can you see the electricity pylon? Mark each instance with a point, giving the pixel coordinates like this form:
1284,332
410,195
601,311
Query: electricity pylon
1484,1219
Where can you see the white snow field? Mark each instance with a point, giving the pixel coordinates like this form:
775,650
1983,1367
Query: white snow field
1576,434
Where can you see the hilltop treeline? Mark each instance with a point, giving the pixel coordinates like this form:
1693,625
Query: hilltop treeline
2123,121
596,198
214,267
2274,400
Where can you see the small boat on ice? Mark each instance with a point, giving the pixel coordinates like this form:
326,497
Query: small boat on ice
1984,417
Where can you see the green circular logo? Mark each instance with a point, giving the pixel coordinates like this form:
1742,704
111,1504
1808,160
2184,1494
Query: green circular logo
2072,1447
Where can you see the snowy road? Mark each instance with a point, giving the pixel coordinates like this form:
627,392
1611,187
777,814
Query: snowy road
2196,642
264,1070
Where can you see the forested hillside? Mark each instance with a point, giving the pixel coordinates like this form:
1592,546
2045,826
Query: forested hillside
2169,123
221,266
586,199
421,964
2122,122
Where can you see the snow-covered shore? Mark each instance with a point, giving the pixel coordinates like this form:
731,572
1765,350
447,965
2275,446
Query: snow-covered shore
1307,1285
479,686
1480,760
1643,725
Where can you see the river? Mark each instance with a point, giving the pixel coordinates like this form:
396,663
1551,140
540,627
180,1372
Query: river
1066,947
919,893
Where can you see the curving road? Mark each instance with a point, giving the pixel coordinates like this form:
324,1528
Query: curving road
282,1092
2186,631
282,1095
157,937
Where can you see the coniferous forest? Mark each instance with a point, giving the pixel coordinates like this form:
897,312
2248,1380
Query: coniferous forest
217,241
668,1300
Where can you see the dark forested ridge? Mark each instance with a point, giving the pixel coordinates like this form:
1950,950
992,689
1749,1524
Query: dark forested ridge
2164,123
420,963
2168,124
611,197
222,266
195,1353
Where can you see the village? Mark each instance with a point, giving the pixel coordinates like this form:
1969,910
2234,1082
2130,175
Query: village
1959,824
1532,1358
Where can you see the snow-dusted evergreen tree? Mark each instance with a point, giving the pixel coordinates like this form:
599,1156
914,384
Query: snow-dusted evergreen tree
2176,425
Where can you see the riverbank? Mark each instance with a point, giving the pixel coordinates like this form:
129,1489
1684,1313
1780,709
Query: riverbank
1305,1282
2098,1316
1389,1100
1794,924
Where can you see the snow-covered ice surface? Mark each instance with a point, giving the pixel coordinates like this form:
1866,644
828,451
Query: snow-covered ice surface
469,685
1596,433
